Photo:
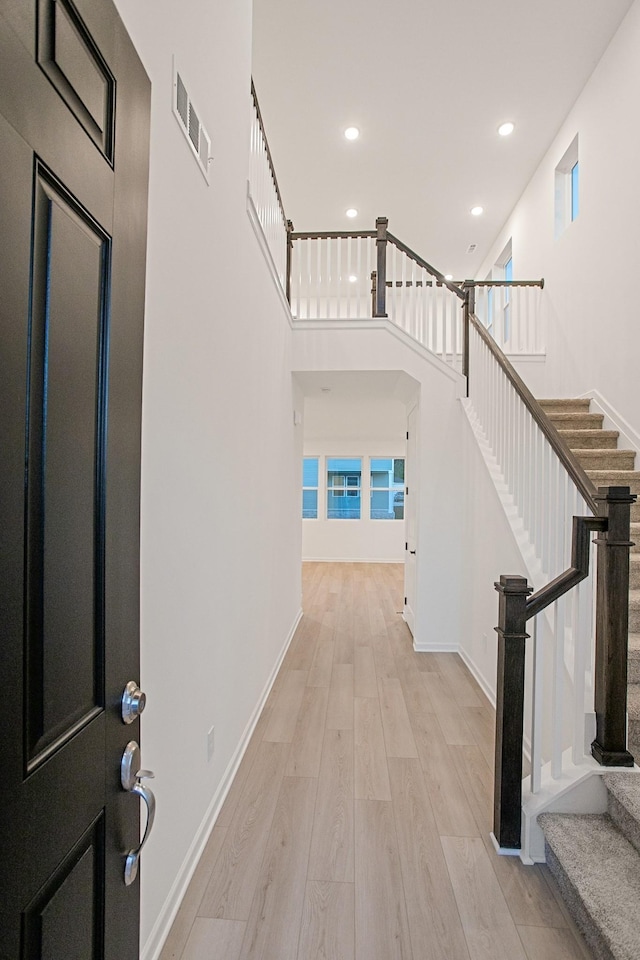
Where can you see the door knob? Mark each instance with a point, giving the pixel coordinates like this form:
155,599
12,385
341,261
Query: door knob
131,777
133,702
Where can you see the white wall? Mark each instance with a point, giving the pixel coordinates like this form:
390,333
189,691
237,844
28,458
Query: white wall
590,271
220,554
353,427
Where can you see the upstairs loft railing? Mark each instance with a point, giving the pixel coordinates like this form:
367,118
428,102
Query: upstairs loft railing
346,275
265,193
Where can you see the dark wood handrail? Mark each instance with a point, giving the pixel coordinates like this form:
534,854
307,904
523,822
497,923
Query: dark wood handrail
426,266
269,157
332,234
565,455
579,569
505,283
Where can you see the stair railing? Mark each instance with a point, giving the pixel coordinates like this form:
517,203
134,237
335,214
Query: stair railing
265,195
555,508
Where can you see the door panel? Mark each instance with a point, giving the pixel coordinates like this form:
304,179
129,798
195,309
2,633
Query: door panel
411,476
73,187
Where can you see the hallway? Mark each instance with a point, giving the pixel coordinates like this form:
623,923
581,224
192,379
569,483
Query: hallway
357,827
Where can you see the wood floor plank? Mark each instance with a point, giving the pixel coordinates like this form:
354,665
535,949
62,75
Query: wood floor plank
383,656
214,940
455,728
549,943
434,921
364,675
398,736
230,890
274,922
181,928
461,683
284,715
332,843
531,902
306,746
382,929
320,672
328,922
488,926
371,773
450,805
340,709
301,652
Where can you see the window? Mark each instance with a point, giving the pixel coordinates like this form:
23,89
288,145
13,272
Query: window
387,488
575,193
310,488
567,189
508,275
343,488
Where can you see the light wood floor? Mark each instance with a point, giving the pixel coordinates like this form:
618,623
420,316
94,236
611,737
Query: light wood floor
357,827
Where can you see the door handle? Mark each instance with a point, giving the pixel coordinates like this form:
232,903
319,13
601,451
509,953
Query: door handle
132,782
413,552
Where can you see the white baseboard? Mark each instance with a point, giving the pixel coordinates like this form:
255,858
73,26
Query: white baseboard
435,647
349,560
487,688
629,438
160,931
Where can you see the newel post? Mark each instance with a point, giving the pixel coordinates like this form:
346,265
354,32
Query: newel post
381,267
373,293
507,797
289,259
612,628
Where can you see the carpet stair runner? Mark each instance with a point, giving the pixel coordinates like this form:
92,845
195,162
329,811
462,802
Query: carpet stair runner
596,858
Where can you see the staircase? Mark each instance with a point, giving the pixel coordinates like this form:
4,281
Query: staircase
597,451
595,859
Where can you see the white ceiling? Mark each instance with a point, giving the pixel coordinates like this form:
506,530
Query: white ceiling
427,84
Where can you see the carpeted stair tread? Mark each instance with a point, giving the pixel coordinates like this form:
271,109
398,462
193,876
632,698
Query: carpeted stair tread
591,439
635,537
576,421
624,804
565,404
634,571
598,871
597,459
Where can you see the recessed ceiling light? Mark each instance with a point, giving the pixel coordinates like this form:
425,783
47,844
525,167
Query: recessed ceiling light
352,133
448,276
477,211
506,128
353,278
352,212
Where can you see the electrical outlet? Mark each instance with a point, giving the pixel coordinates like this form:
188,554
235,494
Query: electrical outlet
210,743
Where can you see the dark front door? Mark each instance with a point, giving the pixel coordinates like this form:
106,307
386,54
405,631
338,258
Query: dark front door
74,110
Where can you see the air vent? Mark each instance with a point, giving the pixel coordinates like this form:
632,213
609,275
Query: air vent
189,121
472,248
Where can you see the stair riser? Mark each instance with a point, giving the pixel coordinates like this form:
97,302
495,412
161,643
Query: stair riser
624,821
583,439
634,575
577,421
585,923
635,537
633,675
607,459
634,620
572,406
633,739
